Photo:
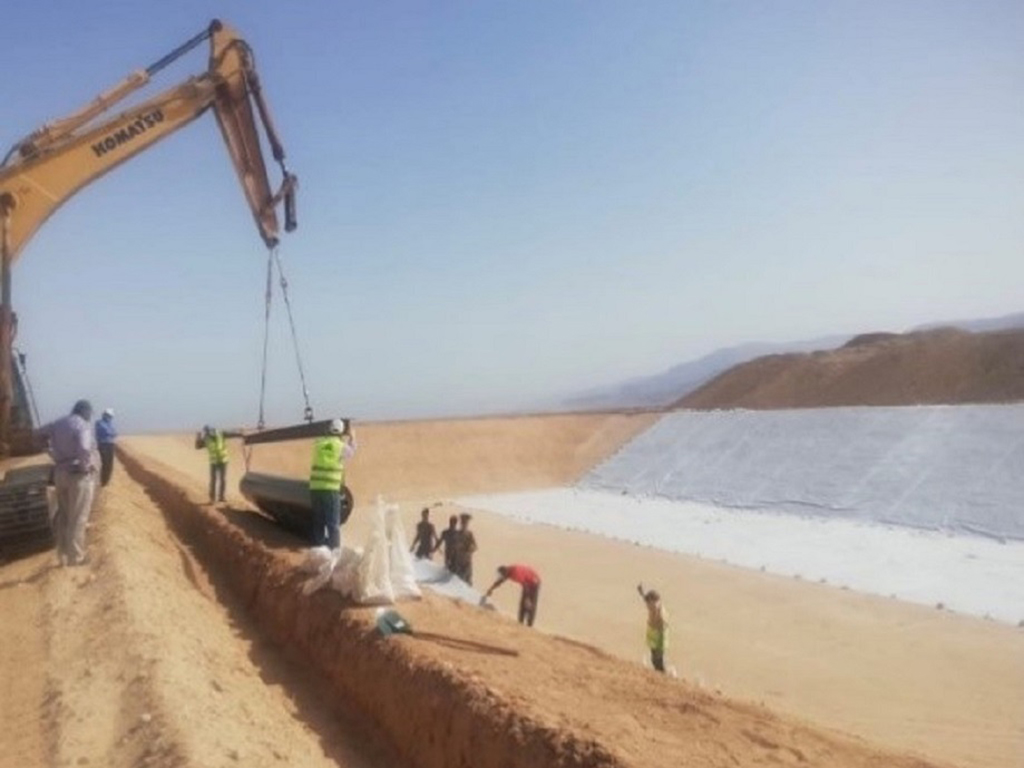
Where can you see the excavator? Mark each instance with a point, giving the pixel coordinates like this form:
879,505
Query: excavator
44,169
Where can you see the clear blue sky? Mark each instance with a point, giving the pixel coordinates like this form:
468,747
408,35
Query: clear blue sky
505,202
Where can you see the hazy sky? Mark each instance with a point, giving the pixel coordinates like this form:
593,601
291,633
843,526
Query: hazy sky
503,202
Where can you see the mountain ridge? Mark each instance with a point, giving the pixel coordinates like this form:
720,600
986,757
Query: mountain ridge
941,366
673,384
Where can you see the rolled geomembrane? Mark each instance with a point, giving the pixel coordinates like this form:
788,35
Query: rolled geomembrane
286,500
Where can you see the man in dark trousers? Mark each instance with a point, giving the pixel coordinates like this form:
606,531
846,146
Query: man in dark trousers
448,540
529,580
465,546
106,435
426,540
326,478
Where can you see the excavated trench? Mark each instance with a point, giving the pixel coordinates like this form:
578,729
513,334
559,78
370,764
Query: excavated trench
422,710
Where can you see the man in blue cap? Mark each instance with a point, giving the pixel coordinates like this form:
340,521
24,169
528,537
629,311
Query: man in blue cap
106,435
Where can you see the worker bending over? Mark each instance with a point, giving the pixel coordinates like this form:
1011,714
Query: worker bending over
657,627
326,478
529,580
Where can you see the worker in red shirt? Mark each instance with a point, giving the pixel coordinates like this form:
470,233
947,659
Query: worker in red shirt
529,580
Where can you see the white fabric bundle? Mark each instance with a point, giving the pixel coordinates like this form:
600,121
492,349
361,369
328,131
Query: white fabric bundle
375,575
403,576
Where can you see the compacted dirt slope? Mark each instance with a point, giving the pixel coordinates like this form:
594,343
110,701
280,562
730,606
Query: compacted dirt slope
926,367
440,458
903,676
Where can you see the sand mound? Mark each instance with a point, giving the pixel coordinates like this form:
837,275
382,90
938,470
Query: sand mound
927,367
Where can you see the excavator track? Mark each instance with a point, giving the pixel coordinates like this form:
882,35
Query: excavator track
25,510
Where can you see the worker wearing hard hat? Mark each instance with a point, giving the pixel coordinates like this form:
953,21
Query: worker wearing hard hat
326,478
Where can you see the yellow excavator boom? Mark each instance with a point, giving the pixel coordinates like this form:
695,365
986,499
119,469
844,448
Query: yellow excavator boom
52,164
43,170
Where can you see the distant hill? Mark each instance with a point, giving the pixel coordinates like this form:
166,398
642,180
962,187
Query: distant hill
668,387
1004,323
944,365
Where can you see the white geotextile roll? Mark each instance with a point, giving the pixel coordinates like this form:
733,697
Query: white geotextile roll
403,576
375,567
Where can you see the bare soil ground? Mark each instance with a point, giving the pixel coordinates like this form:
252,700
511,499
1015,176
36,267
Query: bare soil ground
186,641
926,367
141,659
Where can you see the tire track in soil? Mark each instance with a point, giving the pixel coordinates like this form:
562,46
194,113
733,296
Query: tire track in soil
23,654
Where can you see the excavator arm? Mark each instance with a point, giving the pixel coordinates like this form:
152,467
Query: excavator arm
43,170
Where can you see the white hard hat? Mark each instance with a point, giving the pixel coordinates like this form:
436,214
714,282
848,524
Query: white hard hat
336,427
108,412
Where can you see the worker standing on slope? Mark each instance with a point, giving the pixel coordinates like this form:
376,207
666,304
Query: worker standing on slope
448,539
465,546
529,580
72,442
106,435
213,440
426,540
326,478
657,627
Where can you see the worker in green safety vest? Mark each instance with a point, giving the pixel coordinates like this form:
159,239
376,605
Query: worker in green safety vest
213,440
657,627
326,478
